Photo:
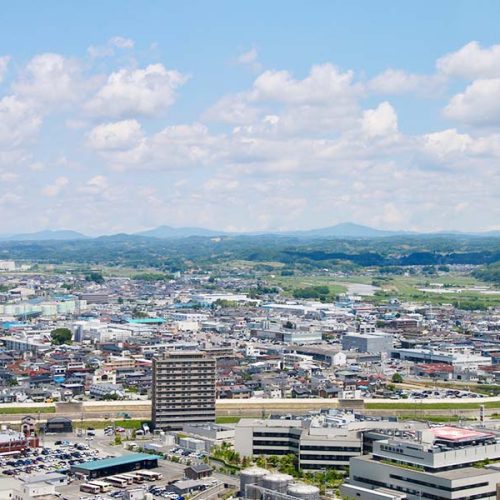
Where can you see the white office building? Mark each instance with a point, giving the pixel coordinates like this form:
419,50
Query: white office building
438,463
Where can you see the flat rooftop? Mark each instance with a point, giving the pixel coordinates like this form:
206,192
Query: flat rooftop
112,462
467,472
457,434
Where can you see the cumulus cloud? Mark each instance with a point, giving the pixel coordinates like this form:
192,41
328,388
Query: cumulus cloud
250,59
173,147
380,122
396,81
450,145
109,49
18,122
234,109
4,63
479,104
325,83
122,42
52,190
149,91
325,100
471,62
50,78
124,134
288,149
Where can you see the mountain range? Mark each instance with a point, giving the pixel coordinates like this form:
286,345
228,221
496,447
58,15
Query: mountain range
343,230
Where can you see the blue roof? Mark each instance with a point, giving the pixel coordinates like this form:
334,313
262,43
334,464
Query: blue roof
145,321
111,462
13,324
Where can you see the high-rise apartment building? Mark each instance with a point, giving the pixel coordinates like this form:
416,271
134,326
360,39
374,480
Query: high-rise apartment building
183,389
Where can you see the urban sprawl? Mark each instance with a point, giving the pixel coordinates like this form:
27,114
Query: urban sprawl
247,382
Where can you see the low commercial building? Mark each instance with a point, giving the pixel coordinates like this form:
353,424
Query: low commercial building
367,342
116,465
439,463
13,441
198,471
58,425
459,360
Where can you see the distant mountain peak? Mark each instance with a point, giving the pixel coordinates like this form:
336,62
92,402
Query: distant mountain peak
46,235
165,231
345,230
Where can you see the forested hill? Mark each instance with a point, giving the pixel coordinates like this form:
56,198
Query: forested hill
184,252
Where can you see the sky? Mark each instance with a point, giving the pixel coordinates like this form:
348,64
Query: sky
120,116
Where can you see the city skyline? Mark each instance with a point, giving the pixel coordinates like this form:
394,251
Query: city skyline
123,117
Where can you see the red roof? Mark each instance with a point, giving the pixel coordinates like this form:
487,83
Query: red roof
456,434
435,368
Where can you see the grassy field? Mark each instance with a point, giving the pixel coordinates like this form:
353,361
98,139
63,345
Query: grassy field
290,283
228,419
102,424
407,288
13,410
404,287
436,419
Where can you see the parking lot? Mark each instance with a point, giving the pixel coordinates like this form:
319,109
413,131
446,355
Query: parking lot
58,457
438,394
57,453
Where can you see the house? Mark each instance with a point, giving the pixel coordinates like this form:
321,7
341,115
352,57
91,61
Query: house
198,471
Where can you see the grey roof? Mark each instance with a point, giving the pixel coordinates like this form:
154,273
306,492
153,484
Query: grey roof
200,468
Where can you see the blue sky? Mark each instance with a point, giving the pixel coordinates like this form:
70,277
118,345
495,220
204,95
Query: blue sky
120,116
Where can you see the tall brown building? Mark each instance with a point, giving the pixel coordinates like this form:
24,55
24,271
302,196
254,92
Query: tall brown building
183,389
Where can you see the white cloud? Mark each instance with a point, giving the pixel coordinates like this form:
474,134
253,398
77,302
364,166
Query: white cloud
37,166
97,186
149,91
471,62
324,84
380,122
298,149
50,78
478,105
395,81
122,42
234,109
326,100
51,190
124,134
173,147
450,145
4,63
109,49
446,143
250,59
18,122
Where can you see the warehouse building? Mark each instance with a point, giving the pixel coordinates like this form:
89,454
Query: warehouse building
116,465
367,342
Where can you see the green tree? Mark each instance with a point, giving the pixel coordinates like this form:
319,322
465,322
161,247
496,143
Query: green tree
60,336
397,378
95,276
